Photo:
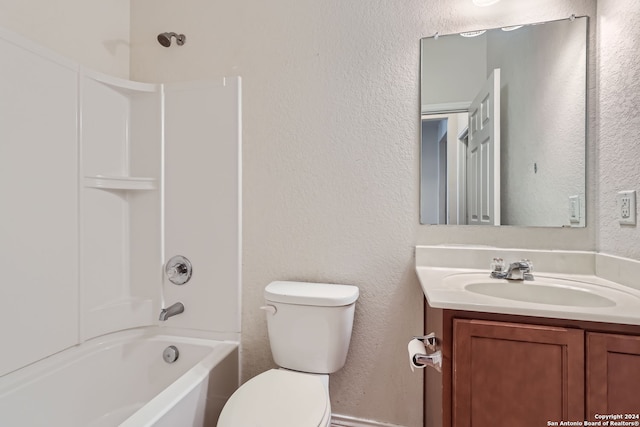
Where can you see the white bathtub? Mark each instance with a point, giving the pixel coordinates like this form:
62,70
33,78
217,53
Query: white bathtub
122,380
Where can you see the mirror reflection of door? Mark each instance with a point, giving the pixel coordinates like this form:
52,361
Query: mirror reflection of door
483,161
460,162
434,185
443,174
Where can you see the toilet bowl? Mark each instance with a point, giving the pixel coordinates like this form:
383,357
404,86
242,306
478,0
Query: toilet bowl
309,326
279,398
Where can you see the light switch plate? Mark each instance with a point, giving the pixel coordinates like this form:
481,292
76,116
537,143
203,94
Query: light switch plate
574,209
627,207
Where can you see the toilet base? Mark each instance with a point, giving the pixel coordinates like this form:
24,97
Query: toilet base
280,398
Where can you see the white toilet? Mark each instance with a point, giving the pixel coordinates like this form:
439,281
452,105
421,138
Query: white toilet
309,327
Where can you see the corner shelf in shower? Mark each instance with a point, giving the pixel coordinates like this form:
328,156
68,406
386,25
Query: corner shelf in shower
125,87
132,183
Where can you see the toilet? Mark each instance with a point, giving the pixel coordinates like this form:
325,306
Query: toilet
309,326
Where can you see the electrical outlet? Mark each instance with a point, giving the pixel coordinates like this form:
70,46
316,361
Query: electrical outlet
627,207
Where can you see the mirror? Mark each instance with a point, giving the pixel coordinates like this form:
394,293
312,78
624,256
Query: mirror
503,126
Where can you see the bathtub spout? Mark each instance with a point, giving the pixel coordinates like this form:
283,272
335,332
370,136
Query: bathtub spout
171,311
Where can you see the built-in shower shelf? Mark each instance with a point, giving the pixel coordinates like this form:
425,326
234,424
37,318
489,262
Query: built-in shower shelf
120,182
126,87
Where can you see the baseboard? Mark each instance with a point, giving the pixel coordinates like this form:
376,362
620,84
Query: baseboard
345,421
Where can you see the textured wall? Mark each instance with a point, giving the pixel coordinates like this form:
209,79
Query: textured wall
330,135
619,121
330,160
331,145
94,33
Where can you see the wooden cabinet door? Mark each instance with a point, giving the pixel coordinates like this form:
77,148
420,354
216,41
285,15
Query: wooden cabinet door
613,374
509,374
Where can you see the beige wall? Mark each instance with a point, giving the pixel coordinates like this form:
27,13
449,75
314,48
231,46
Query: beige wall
330,122
326,143
94,33
618,121
542,133
331,146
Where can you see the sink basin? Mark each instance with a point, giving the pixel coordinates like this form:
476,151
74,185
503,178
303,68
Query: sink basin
566,285
540,293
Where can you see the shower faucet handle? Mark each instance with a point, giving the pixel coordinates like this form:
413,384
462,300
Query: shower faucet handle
178,270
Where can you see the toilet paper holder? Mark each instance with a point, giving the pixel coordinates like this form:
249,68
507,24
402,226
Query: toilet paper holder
433,358
430,341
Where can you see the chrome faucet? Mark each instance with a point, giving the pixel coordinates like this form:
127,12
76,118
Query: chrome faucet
519,270
171,311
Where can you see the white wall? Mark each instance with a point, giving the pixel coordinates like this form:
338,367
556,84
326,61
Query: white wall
454,78
618,121
65,239
330,137
331,154
202,203
94,33
39,214
543,79
331,131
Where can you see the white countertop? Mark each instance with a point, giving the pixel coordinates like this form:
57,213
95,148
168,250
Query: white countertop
444,287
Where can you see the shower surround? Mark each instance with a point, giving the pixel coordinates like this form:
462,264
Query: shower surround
105,179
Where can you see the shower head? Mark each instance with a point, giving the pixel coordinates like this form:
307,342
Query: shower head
165,39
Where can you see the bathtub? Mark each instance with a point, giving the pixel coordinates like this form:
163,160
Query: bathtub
122,380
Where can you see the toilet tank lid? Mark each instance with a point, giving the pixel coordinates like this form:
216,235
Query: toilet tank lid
304,293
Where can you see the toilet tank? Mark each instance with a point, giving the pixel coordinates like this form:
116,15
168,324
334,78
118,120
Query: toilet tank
310,324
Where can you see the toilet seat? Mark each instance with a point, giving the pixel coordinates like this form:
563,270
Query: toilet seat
278,398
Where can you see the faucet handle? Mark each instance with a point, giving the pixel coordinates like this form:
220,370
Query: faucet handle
498,265
178,270
527,274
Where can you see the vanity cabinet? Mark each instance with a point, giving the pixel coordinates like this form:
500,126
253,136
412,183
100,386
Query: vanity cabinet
613,374
506,370
515,374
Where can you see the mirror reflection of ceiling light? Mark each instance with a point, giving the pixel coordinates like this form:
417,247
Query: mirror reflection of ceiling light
485,2
473,33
